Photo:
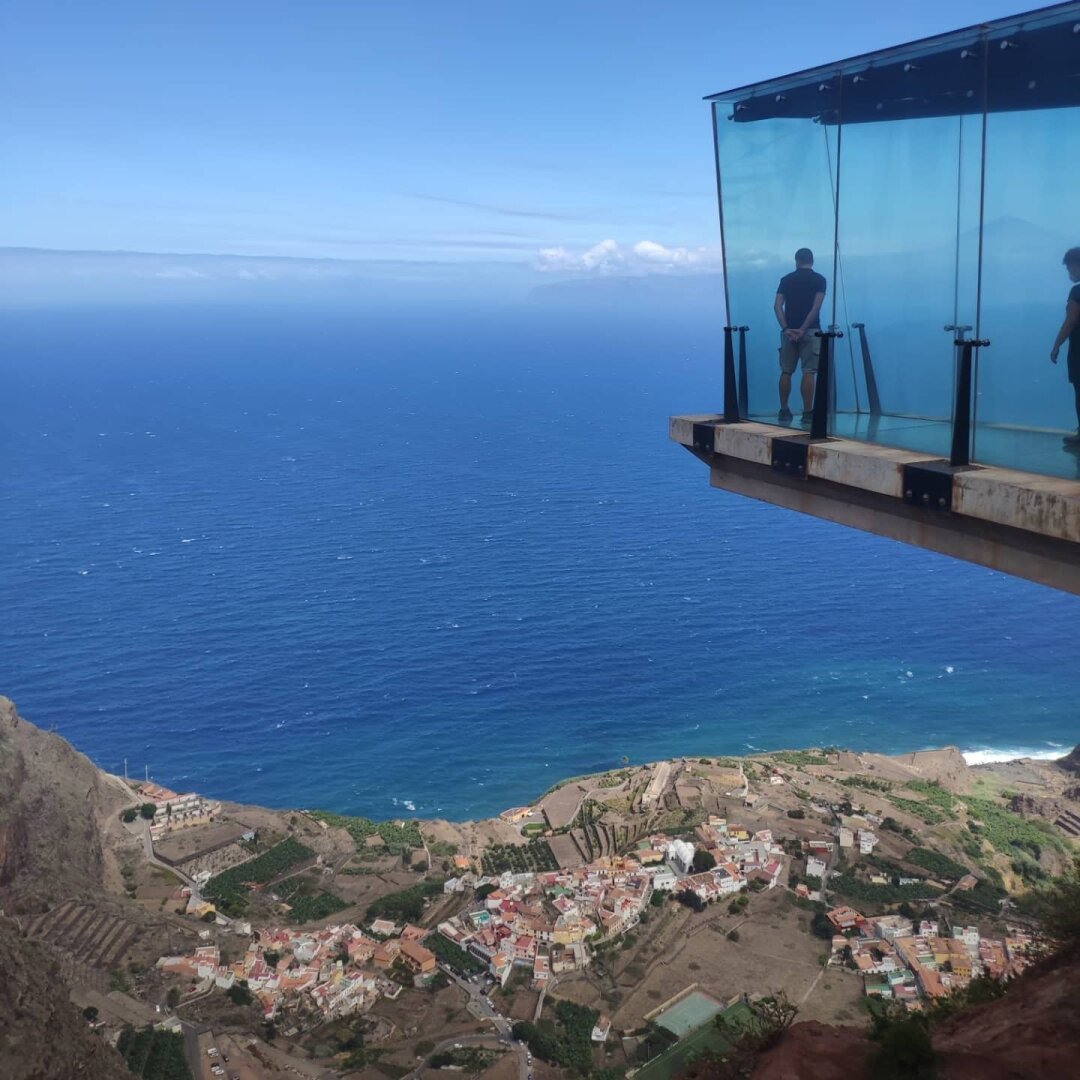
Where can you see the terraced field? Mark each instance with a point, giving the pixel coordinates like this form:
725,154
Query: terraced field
93,936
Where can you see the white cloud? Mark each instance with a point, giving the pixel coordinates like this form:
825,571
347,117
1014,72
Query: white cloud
644,257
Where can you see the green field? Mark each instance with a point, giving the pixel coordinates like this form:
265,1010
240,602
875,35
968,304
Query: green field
229,889
709,1038
692,1012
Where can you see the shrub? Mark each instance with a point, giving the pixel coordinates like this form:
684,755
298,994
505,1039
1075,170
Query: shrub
148,810
905,1052
703,860
689,898
239,994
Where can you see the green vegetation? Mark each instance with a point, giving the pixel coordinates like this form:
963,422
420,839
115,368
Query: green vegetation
228,890
799,758
984,899
703,860
455,957
535,857
397,836
470,1059
1061,906
796,813
852,888
306,905
129,815
892,825
154,1055
689,898
408,904
534,828
904,1051
567,1043
148,810
939,865
934,793
442,849
924,811
865,783
1008,832
239,994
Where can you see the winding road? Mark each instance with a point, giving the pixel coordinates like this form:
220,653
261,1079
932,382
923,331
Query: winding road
482,1009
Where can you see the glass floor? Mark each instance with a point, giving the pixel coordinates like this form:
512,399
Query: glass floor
1026,449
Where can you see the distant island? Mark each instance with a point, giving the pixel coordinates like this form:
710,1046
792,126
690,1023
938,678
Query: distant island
600,926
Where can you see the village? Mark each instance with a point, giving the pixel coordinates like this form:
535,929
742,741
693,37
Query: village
543,925
651,897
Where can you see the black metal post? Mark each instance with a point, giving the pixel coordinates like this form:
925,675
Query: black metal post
868,371
819,424
961,433
731,389
744,395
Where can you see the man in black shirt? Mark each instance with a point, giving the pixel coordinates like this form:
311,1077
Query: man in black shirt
798,301
1070,331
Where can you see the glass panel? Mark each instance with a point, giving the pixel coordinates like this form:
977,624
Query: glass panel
778,188
907,267
1025,404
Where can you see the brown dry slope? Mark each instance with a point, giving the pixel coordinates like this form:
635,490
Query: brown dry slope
42,1035
1032,1033
58,812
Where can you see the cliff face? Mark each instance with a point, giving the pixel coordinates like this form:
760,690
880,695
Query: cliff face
55,808
42,1035
1071,762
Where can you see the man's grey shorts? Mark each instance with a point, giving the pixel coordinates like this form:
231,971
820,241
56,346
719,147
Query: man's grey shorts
807,349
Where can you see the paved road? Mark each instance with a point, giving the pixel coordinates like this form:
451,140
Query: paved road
482,1009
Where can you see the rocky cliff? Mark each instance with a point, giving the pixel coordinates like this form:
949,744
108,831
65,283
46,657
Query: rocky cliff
42,1035
57,814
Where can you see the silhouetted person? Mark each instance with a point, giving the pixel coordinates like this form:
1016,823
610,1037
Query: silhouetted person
798,301
1070,331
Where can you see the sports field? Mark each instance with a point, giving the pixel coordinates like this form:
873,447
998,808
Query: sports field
694,1011
674,1060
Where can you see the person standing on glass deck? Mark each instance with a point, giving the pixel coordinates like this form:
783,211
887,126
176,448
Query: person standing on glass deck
798,301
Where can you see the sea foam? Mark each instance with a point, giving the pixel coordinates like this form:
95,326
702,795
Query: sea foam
989,756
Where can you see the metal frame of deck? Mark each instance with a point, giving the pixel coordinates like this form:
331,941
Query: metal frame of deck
1020,523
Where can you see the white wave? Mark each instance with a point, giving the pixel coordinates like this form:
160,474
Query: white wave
409,804
988,755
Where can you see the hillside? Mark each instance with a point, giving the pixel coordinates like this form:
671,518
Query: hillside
58,819
1033,1031
33,1000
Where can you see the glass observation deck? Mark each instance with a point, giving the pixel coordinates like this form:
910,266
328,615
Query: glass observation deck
935,184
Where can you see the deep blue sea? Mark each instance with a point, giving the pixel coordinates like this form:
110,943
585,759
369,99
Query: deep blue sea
431,562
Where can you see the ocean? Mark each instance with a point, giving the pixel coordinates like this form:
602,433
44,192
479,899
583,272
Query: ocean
393,562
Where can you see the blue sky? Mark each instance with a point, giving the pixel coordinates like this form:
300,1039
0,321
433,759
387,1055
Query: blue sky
426,131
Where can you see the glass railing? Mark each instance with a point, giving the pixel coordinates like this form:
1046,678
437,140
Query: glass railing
933,185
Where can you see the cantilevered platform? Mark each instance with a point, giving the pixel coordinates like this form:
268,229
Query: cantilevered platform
1017,522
